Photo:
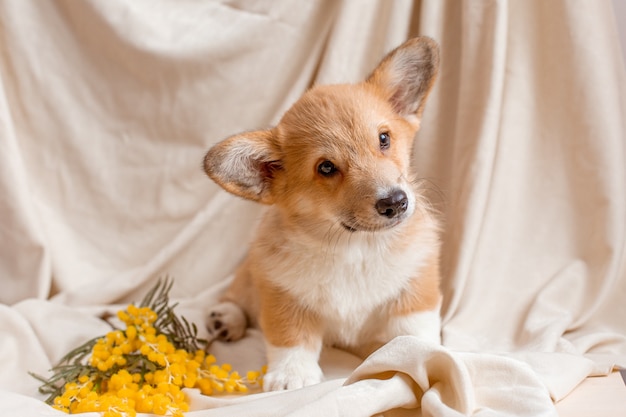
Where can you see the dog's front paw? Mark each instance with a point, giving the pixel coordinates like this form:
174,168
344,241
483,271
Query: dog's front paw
291,368
293,377
226,322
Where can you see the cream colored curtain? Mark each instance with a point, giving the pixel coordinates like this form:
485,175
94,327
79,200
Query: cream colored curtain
526,137
106,110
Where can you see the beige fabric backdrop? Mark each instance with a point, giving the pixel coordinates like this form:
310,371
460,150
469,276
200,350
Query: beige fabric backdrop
106,109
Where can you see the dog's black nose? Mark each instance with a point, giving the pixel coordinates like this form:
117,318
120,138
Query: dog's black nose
394,205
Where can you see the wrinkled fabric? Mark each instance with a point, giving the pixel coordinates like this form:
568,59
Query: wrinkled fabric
107,109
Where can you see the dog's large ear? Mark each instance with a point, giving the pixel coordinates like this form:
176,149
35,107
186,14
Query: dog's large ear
407,74
245,165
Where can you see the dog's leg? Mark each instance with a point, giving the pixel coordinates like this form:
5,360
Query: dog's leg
425,325
293,337
416,311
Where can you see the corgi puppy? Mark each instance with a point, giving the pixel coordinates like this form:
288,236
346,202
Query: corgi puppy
347,254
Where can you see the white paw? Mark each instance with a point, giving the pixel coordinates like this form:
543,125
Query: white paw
292,377
426,325
291,368
226,322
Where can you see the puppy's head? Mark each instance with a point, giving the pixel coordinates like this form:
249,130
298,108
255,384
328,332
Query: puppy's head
341,154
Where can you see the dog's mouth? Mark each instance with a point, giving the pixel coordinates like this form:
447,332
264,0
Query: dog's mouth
370,228
349,228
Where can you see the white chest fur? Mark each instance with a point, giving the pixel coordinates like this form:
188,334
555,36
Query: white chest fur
347,282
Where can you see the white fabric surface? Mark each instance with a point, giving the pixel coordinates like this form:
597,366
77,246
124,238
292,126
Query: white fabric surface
106,110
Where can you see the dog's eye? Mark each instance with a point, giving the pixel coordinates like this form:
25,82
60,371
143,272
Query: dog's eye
385,140
326,168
